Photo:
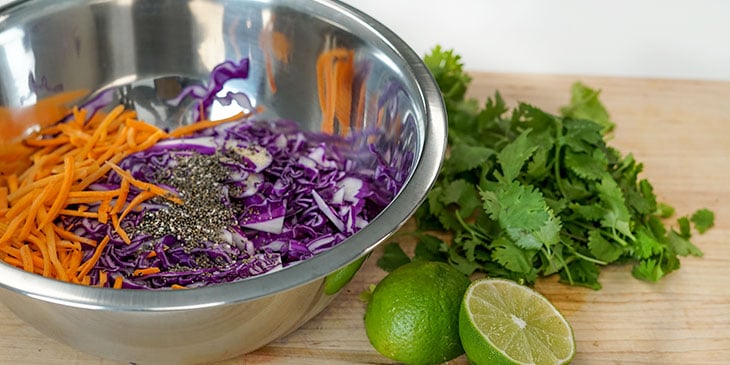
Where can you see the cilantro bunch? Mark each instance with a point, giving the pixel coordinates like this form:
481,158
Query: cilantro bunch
524,193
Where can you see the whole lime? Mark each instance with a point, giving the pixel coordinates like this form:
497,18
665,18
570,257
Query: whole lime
413,313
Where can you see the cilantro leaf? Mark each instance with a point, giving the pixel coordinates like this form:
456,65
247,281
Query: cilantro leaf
448,70
681,245
617,215
684,227
665,210
522,212
439,209
703,219
393,257
461,263
649,270
602,249
582,135
513,257
425,220
647,245
583,273
591,212
589,167
584,104
466,157
463,194
367,294
430,248
514,155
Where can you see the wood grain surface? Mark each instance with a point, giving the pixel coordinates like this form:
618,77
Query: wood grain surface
680,130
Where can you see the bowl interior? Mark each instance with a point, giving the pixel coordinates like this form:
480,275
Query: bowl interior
144,52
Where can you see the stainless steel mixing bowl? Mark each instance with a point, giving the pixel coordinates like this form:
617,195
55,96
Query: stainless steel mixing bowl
145,51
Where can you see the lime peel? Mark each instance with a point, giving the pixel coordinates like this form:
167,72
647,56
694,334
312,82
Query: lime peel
413,313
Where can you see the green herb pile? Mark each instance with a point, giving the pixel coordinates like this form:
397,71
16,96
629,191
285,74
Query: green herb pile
524,193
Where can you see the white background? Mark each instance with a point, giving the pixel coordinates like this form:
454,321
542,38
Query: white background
687,39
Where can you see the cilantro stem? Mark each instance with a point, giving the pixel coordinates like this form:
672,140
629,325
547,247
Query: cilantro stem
556,162
574,237
474,233
615,235
588,258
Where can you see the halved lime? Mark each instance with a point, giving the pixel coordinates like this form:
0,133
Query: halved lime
502,322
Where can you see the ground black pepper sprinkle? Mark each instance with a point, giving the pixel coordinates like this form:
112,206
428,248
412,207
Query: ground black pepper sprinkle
202,216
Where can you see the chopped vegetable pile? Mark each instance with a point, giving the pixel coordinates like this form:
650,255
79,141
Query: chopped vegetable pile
109,200
257,196
524,193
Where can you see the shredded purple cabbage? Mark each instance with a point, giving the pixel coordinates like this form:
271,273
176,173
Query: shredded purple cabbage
293,194
207,94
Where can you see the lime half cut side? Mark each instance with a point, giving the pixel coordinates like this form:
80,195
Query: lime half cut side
502,322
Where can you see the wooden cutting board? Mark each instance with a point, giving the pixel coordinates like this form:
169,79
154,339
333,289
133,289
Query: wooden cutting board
680,130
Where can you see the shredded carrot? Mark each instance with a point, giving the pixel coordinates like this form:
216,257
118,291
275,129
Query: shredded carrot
103,278
74,262
146,271
43,249
33,212
103,211
335,75
89,264
131,141
51,173
92,194
12,227
100,131
274,45
122,197
359,121
48,142
69,245
177,286
79,213
64,190
145,186
26,257
73,237
118,281
142,126
139,199
53,254
16,121
79,116
192,128
106,152
118,228
3,197
344,73
98,173
12,181
42,183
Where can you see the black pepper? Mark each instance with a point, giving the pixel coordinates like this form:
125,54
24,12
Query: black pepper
200,219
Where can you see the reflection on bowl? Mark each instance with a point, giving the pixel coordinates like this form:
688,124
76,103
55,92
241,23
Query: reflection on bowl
144,53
